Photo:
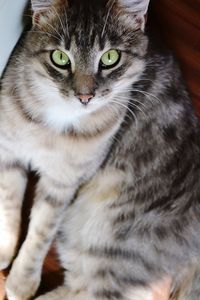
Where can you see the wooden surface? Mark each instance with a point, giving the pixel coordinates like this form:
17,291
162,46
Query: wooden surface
179,22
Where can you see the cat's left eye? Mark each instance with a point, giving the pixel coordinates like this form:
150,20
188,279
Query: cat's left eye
60,59
110,59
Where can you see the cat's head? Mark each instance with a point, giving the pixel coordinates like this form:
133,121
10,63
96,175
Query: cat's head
83,55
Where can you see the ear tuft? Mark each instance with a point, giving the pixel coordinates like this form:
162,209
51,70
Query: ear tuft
134,12
40,11
135,6
40,5
44,10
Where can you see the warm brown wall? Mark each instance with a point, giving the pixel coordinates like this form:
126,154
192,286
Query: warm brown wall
179,21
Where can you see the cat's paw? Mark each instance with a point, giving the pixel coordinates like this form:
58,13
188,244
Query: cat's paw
63,293
21,286
5,260
7,252
139,294
60,293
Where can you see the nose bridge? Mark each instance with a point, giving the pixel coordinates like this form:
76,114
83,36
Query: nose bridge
84,84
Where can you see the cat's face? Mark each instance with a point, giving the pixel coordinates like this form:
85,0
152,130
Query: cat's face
85,55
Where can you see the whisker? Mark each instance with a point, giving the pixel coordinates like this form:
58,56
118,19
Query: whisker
151,95
51,26
59,18
133,100
127,108
137,107
48,33
106,21
145,94
132,104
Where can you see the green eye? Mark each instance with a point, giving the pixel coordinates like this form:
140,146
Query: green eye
110,59
60,59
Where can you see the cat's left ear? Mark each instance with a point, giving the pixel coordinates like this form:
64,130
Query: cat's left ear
137,8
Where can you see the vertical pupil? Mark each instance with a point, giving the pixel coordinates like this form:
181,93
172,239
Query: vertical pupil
61,56
109,56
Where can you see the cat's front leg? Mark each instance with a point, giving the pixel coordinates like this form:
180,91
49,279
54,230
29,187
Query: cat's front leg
50,204
159,291
12,186
63,293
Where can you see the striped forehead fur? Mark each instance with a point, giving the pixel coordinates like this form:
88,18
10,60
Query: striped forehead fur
136,6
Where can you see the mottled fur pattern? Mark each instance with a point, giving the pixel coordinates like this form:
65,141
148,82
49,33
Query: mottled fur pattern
119,178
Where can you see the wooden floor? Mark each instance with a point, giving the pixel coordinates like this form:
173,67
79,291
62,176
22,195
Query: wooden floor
179,22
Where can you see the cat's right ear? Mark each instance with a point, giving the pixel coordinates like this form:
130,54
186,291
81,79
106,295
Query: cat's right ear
42,10
134,11
40,5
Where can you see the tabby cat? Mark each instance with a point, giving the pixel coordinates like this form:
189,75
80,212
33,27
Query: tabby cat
106,122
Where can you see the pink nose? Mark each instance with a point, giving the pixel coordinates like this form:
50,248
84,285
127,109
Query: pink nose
85,99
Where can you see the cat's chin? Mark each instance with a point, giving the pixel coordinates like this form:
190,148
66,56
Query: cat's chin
62,118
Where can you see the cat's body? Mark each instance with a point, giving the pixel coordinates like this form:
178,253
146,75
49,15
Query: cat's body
109,243
117,148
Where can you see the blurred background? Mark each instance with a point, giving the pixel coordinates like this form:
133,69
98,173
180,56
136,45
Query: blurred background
179,23
11,26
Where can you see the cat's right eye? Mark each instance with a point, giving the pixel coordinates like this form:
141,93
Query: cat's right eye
60,59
